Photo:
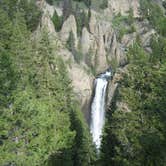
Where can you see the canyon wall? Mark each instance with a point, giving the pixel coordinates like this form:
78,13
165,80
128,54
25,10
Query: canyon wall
99,43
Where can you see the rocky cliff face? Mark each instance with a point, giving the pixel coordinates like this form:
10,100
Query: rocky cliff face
98,43
123,6
69,26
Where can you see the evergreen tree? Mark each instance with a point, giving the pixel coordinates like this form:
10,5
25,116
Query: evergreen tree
57,20
36,100
83,151
137,136
71,42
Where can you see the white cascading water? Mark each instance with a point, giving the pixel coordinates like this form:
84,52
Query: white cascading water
98,108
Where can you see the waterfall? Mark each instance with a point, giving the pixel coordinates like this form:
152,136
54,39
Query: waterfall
98,107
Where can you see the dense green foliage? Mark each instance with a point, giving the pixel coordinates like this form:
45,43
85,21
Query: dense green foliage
57,21
87,2
138,133
154,14
71,7
104,4
28,9
40,122
70,44
82,20
123,24
134,133
51,2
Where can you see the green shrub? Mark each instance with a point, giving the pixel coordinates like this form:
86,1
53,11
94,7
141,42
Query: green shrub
158,45
87,2
130,19
132,29
155,15
164,4
123,24
118,20
136,54
78,56
57,21
114,64
121,32
32,13
82,20
51,2
70,44
104,4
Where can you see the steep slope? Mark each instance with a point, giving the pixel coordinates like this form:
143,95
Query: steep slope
97,46
134,133
49,57
40,118
89,46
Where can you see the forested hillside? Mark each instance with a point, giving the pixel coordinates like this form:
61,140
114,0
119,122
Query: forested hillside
135,131
40,121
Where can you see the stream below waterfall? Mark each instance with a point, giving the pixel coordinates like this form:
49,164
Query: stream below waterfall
98,107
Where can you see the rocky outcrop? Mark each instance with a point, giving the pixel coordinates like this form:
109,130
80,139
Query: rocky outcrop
82,85
112,91
99,29
48,12
47,23
143,31
92,22
101,53
103,41
85,41
100,41
116,52
123,6
82,81
113,85
123,106
69,26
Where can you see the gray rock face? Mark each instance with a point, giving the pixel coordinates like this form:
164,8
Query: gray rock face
123,6
48,12
85,41
82,84
69,26
113,85
47,23
143,31
92,22
101,53
105,41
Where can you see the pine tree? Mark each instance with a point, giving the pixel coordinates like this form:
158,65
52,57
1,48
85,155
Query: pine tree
83,151
57,20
